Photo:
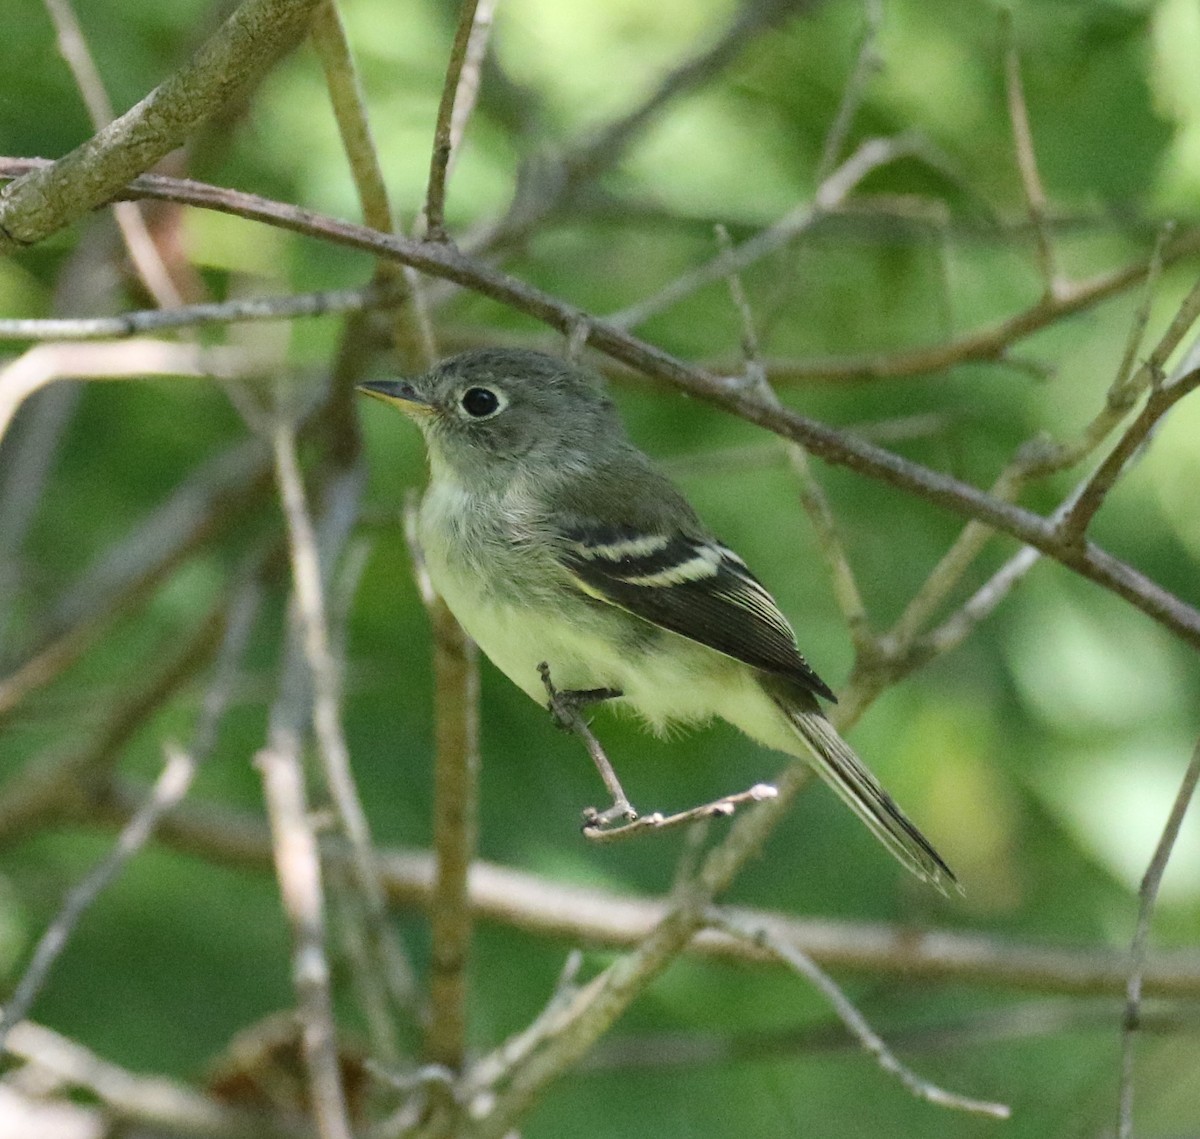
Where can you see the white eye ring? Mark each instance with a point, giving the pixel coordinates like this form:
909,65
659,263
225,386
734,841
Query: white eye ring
480,402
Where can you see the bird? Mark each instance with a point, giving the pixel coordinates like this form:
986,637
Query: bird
585,576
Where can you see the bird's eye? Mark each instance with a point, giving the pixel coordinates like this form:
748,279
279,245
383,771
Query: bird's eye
479,403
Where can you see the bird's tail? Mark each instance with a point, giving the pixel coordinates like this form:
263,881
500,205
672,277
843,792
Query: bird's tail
841,768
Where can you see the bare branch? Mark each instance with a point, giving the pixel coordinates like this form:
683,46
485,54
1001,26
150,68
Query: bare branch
856,1024
374,295
350,110
991,342
171,786
812,494
234,58
129,1097
1147,896
869,157
1093,493
439,163
455,823
599,1003
657,822
298,868
131,567
142,250
326,692
824,442
455,834
130,359
1031,180
588,915
866,64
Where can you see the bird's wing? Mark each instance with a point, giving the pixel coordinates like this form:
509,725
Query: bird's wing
691,585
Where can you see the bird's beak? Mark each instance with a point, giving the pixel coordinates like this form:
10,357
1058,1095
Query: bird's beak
398,394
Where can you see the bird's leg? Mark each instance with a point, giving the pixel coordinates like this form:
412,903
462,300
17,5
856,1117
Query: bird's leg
565,707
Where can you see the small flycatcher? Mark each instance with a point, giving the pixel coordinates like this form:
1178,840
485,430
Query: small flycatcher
553,539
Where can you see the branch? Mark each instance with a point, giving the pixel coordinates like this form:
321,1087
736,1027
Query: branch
545,187
854,1021
443,147
1093,493
169,789
233,59
290,307
547,909
830,196
1147,896
354,127
1031,180
134,232
989,342
833,446
129,569
128,1097
455,820
309,595
298,868
131,359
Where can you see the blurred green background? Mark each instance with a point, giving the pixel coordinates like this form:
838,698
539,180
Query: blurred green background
1041,757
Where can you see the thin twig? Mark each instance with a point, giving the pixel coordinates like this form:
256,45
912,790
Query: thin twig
599,1003
57,782
1039,1019
309,596
869,157
658,822
469,80
133,566
866,64
354,127
1147,896
131,359
1031,180
495,1067
443,133
289,307
349,108
812,494
144,254
546,187
854,1020
297,866
162,1105
1074,525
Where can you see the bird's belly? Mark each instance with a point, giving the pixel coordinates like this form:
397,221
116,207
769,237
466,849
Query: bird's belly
664,678
581,653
